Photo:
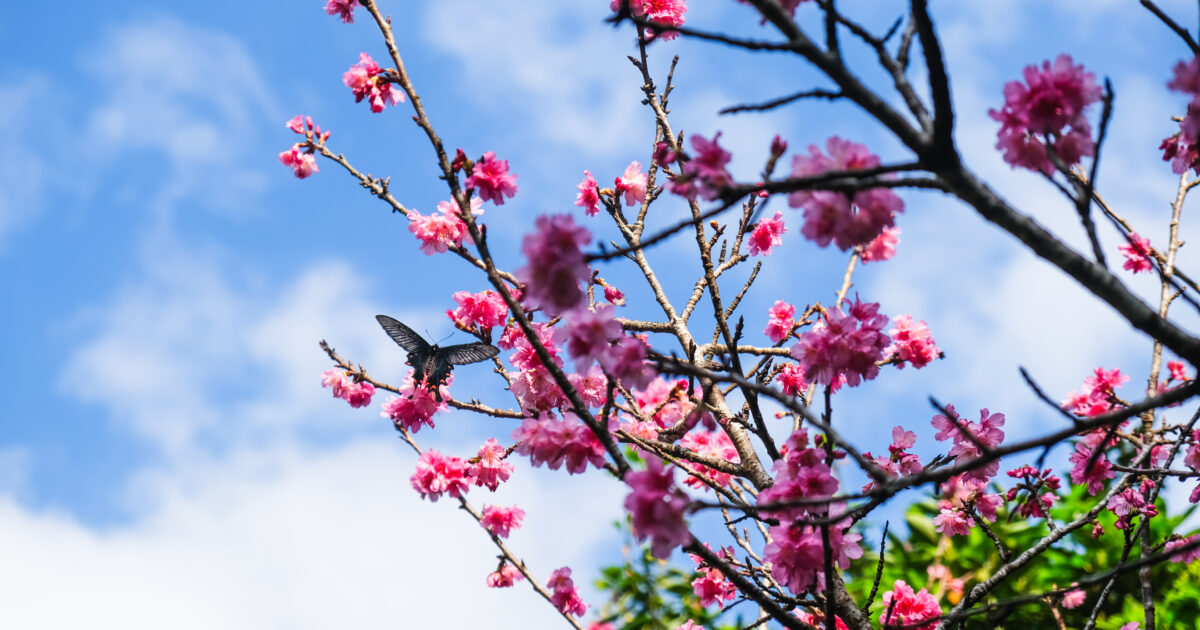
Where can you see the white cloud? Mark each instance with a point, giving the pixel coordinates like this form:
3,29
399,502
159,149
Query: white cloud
25,174
291,538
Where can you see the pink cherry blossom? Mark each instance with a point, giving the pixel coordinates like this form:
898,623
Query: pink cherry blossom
588,334
344,9
986,434
489,468
335,380
669,12
705,174
797,554
901,607
816,618
912,342
800,474
1137,254
614,295
485,309
554,442
632,184
1094,398
439,474
1183,153
589,195
952,522
366,80
1097,475
591,385
537,390
626,362
766,235
504,577
1188,556
833,216
500,521
302,162
1181,148
844,344
712,588
556,265
882,247
781,320
358,394
1050,101
416,405
1074,598
1177,370
791,379
565,596
438,232
490,178
664,401
656,507
715,444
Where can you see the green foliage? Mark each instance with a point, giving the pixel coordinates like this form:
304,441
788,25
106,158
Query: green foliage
649,594
974,558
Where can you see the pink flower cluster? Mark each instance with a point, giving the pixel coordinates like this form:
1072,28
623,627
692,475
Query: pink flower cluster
986,434
704,174
300,157
715,444
1047,111
955,516
589,334
490,178
833,216
439,474
1074,598
632,184
564,595
656,507
797,554
791,379
844,344
1136,253
800,474
781,321
1181,148
1033,481
488,468
882,247
904,608
589,195
367,80
1188,556
1094,470
344,9
504,577
1132,502
666,12
555,442
912,342
441,231
766,235
712,587
816,618
485,309
1096,397
416,405
899,461
500,521
358,394
556,264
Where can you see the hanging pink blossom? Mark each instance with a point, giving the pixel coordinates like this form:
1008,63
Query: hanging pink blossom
882,247
588,334
1188,556
1095,397
438,232
781,321
656,507
504,577
834,217
715,444
589,195
366,80
986,433
500,521
668,12
1094,476
489,468
902,607
344,9
554,442
485,309
1050,101
614,295
705,174
415,405
912,342
439,474
626,362
490,178
791,379
844,344
565,596
766,235
556,265
339,381
1178,371
1137,253
797,554
632,184
712,587
302,162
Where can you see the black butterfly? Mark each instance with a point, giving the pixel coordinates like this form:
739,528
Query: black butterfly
429,361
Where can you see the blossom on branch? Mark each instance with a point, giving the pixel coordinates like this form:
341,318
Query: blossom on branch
766,235
668,12
500,521
439,474
705,173
554,442
912,342
656,507
344,9
845,220
882,247
589,195
565,596
844,344
302,162
367,80
1137,253
903,608
416,404
488,468
485,309
490,178
632,184
781,321
556,265
504,577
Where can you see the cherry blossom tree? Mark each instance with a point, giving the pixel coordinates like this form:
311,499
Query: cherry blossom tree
706,415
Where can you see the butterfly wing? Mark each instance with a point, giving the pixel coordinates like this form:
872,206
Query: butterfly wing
403,335
466,353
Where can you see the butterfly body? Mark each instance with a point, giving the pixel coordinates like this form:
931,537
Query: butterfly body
430,363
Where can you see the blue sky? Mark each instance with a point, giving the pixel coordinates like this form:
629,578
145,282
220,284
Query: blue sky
166,452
